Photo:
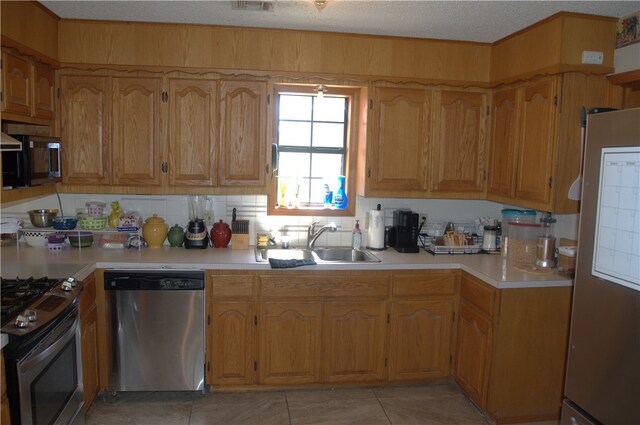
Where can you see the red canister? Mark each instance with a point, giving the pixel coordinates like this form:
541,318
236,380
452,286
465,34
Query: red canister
221,234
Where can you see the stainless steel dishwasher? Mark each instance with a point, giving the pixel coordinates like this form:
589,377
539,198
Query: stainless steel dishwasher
155,330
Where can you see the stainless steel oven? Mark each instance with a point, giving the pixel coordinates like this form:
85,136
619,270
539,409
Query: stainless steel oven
43,360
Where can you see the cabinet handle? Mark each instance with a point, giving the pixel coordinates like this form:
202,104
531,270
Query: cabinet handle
266,169
369,172
550,182
164,167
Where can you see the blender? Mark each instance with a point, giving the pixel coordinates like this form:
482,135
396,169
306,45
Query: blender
196,234
546,243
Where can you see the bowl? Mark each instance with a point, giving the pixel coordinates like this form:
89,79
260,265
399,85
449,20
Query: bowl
56,237
65,223
80,239
35,239
42,218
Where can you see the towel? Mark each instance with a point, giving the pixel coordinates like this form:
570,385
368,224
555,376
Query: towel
288,264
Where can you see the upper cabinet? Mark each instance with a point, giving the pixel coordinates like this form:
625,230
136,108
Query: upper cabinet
28,90
536,142
243,129
457,160
162,134
399,137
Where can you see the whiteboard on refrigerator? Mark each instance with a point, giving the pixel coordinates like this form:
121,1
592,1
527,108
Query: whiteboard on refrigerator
616,250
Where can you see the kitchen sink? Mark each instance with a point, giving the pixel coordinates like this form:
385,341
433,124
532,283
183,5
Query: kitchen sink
320,255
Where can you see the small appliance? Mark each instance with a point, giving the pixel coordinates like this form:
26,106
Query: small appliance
196,235
405,223
36,164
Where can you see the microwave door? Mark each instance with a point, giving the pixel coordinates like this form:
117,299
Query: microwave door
44,162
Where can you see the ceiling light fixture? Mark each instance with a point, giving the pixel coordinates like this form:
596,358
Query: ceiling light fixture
320,4
320,89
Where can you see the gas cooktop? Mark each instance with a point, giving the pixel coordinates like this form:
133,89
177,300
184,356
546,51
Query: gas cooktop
18,294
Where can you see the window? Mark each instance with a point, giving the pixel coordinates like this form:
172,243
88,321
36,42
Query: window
312,135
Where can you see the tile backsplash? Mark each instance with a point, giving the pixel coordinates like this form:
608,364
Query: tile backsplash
174,209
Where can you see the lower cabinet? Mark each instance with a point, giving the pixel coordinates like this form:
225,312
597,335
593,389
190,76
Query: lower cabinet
419,344
233,354
5,417
89,341
353,346
289,343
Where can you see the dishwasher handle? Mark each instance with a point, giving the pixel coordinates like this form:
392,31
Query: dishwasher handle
153,281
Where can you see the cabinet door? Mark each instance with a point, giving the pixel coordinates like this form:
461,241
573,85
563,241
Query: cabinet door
289,343
457,161
16,83
354,337
472,354
504,141
399,139
243,123
85,122
419,344
192,132
137,143
232,339
537,143
89,342
43,92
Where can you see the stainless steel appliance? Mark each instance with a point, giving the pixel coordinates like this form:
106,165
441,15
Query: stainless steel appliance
36,164
155,330
196,235
43,356
405,224
603,368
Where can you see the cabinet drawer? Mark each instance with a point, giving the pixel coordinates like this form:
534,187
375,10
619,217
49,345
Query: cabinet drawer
361,285
228,286
478,293
424,283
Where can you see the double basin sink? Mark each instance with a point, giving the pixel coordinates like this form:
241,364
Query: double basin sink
320,255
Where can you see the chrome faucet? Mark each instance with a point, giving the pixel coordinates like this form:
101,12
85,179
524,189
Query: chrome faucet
312,235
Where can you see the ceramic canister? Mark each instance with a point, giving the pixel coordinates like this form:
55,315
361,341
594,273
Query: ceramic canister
154,231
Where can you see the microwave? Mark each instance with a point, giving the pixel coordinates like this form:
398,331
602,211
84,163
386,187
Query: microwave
38,162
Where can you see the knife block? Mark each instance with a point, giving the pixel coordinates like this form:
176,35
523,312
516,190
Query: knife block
240,235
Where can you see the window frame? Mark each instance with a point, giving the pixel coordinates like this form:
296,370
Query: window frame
353,95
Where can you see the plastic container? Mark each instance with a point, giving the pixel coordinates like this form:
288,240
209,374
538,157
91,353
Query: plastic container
490,238
93,223
95,208
523,243
356,237
510,215
567,261
340,197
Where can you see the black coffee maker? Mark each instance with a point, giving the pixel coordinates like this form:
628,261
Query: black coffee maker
196,235
405,224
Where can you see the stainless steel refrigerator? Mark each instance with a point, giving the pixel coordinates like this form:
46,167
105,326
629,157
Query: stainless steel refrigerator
603,367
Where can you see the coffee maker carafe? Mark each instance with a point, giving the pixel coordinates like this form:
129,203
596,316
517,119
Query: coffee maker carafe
196,235
405,224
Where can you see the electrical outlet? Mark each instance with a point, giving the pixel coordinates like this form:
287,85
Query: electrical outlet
591,57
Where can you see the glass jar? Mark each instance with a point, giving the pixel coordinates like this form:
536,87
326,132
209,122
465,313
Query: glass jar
523,243
490,238
510,215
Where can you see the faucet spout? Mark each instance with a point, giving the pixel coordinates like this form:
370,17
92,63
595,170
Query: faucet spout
313,235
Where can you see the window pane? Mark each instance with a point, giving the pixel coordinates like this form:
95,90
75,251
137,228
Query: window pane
294,133
329,109
303,196
328,166
293,164
295,107
328,135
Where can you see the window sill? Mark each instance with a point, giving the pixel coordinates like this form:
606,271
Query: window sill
313,211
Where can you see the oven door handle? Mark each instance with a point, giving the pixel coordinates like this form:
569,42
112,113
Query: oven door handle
58,337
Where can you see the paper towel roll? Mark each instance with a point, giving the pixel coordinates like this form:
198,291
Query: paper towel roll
376,229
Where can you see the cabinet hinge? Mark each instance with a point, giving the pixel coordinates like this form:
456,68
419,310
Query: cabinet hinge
58,92
488,110
268,99
255,320
208,319
266,169
255,365
208,366
164,167
388,318
484,175
385,362
550,182
453,317
555,100
450,359
369,172
370,103
1,96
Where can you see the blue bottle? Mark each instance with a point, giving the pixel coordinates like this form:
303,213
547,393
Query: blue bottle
340,198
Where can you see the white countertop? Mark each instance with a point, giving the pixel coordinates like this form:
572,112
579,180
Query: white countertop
23,261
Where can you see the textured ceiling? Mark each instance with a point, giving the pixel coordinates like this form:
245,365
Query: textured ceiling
484,21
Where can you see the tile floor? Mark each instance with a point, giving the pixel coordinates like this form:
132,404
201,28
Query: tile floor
416,405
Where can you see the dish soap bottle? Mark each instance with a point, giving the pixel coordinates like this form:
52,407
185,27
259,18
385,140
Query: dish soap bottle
356,238
340,197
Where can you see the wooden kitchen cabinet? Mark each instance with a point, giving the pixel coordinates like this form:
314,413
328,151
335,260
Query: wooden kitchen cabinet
398,141
28,89
458,153
289,343
5,416
193,132
421,324
243,130
354,337
511,348
89,341
85,125
536,138
136,132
